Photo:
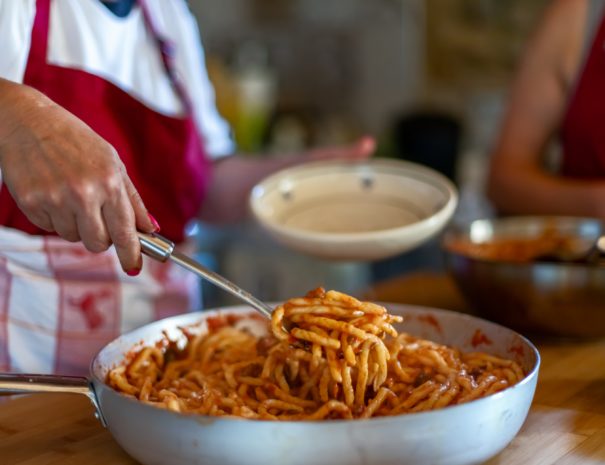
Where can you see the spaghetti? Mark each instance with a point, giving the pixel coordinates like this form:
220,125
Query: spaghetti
338,358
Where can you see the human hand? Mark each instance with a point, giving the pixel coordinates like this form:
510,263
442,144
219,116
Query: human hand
227,198
358,151
66,178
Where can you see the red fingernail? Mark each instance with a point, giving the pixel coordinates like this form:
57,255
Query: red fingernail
133,272
156,225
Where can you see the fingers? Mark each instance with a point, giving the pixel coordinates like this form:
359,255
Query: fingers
64,223
98,226
40,219
100,217
93,231
358,151
365,147
120,221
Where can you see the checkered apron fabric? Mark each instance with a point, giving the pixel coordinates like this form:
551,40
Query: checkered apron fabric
60,304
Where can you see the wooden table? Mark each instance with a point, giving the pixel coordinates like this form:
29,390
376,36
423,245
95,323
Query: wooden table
565,426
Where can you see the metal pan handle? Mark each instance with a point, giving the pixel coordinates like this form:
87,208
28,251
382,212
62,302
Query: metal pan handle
162,249
19,383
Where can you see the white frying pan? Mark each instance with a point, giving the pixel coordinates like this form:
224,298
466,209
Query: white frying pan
463,434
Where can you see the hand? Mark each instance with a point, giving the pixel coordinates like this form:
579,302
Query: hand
227,198
66,178
360,150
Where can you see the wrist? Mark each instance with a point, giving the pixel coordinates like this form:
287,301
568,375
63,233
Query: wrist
17,101
18,107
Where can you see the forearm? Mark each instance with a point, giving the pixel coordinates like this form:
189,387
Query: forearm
17,98
17,102
532,191
518,182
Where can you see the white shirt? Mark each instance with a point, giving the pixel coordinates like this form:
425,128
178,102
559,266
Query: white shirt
85,35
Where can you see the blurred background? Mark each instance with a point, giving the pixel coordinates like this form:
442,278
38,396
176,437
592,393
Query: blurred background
427,78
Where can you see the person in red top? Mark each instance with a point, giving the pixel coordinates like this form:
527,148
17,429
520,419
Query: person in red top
558,93
107,132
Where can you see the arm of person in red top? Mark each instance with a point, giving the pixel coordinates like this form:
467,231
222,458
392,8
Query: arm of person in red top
518,183
66,178
234,176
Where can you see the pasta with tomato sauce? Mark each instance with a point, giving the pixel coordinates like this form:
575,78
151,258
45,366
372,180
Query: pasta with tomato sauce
327,356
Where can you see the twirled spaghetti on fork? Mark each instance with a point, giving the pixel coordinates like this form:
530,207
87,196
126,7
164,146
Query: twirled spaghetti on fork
339,358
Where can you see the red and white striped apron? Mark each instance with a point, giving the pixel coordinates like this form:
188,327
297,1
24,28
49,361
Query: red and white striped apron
58,302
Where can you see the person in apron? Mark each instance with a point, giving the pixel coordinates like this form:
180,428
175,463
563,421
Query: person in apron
86,160
558,94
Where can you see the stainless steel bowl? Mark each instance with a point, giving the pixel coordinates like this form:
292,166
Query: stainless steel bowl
560,299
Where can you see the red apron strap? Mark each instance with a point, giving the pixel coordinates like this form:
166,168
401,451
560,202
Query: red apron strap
39,48
167,50
39,41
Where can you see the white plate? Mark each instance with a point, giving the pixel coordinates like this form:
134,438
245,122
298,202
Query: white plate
354,211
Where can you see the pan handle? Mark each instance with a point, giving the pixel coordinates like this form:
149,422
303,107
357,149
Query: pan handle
19,383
